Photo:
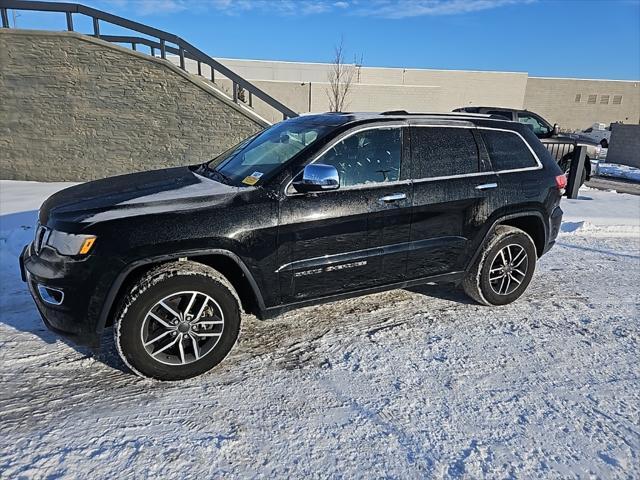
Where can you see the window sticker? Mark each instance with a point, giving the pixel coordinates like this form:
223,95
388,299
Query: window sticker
252,179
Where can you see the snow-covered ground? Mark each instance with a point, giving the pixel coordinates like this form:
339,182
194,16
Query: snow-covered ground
405,384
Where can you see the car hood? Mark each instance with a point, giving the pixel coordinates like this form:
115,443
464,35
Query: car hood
157,191
580,139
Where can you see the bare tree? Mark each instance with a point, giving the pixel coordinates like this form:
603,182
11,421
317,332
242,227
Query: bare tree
340,79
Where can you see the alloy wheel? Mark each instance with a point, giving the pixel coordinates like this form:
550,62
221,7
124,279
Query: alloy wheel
508,269
182,328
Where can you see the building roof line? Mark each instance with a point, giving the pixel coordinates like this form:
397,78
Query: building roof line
586,79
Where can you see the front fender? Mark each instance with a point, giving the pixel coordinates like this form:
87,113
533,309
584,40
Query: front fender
121,278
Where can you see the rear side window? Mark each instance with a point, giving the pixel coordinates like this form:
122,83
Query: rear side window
507,150
502,113
442,151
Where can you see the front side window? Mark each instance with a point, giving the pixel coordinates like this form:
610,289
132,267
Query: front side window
538,126
369,156
443,152
254,158
507,150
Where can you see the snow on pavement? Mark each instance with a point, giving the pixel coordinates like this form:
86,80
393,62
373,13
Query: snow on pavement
407,384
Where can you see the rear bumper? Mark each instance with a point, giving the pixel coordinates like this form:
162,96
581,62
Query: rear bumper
555,221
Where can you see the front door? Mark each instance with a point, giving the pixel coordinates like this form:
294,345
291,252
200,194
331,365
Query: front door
355,237
452,188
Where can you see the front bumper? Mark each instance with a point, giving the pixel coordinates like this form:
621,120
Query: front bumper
77,316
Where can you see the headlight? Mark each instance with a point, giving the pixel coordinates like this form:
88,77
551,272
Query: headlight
71,243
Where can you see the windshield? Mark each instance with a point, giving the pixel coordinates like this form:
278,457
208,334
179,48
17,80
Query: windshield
258,156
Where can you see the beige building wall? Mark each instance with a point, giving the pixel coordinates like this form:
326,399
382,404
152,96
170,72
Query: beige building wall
303,86
364,97
577,104
457,88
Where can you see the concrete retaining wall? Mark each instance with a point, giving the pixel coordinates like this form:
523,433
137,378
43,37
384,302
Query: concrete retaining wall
77,108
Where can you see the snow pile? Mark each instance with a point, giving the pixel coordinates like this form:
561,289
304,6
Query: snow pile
600,212
619,171
413,383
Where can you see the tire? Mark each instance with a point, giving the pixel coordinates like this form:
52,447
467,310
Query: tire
514,243
187,303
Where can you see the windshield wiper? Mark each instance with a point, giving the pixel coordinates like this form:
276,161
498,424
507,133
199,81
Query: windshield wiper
218,174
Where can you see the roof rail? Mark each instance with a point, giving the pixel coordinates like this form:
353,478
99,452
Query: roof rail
438,114
182,48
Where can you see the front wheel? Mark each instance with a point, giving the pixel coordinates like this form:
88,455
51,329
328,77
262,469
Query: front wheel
504,268
178,321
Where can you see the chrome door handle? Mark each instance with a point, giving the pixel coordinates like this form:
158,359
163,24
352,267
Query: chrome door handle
486,186
394,197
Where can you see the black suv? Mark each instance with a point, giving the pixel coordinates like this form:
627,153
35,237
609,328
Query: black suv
549,134
313,209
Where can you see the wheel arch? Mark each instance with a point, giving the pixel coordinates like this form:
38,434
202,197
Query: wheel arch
225,261
531,222
533,225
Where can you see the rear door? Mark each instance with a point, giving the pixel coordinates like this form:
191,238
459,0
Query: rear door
347,239
453,189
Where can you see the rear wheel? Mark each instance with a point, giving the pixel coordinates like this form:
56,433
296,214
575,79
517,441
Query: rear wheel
179,320
504,268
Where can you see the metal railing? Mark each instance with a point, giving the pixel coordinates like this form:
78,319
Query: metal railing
166,43
571,158
559,150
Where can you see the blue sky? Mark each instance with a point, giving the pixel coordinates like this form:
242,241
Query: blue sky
558,38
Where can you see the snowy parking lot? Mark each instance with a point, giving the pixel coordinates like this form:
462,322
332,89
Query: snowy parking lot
404,384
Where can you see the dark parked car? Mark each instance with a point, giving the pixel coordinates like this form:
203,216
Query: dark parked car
549,134
311,210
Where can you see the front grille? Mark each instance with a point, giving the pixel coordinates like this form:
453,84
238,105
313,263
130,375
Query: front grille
42,233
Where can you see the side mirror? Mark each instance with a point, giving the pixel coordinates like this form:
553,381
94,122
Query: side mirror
317,178
556,130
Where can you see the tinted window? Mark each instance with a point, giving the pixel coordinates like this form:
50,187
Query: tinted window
441,151
370,156
538,126
507,150
502,113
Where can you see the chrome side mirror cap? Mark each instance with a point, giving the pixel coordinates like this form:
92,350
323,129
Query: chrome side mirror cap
317,178
556,130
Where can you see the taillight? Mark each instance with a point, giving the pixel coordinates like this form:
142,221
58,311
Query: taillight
561,181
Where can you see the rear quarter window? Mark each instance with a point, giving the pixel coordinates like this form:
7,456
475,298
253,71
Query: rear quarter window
507,150
442,151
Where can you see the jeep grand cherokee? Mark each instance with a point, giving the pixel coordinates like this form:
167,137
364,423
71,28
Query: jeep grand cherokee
313,209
